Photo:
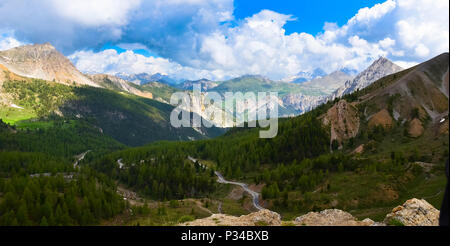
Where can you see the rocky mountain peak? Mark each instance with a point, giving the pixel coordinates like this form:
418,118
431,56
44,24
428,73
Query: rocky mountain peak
377,70
42,61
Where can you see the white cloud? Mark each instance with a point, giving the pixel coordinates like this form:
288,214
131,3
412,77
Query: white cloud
195,43
405,64
111,62
7,40
9,43
95,12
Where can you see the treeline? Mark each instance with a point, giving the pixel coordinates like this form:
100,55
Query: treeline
57,201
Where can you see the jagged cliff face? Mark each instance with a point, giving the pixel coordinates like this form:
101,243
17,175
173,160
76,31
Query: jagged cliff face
43,61
379,69
300,102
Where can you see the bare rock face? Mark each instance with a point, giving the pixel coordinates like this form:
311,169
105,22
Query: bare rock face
344,121
262,217
42,61
414,212
331,217
116,83
380,68
301,102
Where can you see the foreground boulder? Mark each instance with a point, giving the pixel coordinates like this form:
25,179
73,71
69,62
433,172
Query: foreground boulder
260,218
414,212
331,217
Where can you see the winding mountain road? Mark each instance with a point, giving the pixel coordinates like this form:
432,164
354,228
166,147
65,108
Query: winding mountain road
254,194
80,157
222,180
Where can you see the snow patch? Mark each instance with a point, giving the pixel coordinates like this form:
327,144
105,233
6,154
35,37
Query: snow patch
15,106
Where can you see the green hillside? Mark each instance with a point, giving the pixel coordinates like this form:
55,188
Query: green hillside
302,170
159,90
129,119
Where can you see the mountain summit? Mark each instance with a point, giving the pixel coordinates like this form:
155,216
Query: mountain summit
379,68
42,61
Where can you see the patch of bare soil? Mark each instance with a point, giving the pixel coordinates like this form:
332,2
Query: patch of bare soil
257,188
236,194
130,196
415,128
386,193
382,118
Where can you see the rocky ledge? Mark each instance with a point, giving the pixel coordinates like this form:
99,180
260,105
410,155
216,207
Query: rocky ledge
414,212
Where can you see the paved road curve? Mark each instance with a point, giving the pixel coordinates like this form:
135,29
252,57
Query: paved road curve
80,157
222,180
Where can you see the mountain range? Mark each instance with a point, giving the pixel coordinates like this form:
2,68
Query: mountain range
97,149
47,85
45,62
145,78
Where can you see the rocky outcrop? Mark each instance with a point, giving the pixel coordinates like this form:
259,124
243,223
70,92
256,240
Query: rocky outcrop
331,217
343,120
414,212
262,217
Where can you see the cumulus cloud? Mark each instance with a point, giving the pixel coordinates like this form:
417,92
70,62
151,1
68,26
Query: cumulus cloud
168,26
7,40
111,62
196,37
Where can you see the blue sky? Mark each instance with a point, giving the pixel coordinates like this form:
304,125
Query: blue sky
220,39
311,15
